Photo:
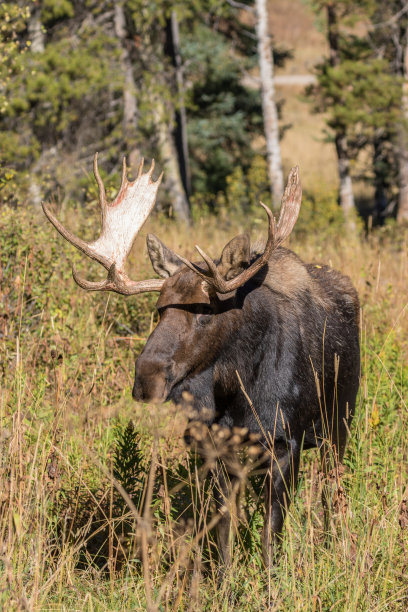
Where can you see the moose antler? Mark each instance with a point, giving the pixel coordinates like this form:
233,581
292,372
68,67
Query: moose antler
277,233
122,220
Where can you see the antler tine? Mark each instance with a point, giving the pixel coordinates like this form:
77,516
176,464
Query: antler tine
122,220
140,169
150,172
124,179
210,263
86,284
204,275
290,207
277,233
118,282
271,227
102,192
77,242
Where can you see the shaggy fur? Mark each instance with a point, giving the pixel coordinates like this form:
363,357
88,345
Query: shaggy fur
291,333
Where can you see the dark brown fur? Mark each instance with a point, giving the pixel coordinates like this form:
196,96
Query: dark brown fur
291,333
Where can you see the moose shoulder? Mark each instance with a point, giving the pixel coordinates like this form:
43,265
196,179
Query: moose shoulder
284,331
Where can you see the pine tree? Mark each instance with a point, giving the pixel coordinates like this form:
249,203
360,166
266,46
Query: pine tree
358,91
389,37
223,114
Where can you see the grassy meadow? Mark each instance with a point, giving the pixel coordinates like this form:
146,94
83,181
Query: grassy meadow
101,505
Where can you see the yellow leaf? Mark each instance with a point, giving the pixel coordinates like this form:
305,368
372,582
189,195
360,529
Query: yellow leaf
375,417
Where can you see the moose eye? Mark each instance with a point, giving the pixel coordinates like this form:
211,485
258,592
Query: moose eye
203,315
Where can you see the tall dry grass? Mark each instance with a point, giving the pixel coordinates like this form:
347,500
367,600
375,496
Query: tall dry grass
97,514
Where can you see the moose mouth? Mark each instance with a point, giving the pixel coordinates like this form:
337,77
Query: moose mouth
158,389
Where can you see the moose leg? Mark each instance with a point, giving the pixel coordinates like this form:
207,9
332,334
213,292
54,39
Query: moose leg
331,454
226,491
280,481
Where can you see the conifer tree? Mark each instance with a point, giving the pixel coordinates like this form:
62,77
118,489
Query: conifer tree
358,90
389,36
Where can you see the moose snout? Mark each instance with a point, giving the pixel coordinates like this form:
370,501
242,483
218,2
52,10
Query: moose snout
152,381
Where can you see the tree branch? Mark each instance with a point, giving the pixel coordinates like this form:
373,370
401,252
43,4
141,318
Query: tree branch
241,5
393,19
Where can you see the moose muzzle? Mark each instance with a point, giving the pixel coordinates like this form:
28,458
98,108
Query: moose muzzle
151,382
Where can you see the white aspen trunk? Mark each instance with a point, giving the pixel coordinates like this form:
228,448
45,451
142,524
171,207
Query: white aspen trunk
35,31
346,186
130,110
402,215
36,37
346,195
270,112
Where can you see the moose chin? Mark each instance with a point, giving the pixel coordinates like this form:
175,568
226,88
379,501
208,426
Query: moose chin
259,325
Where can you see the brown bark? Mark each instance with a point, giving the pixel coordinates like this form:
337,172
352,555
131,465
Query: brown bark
130,110
172,178
180,130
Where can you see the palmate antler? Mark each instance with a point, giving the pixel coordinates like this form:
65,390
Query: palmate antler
122,220
277,233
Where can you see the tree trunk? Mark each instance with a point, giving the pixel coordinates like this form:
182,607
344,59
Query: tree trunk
35,30
270,112
346,187
402,215
343,163
172,178
380,177
180,130
130,110
36,37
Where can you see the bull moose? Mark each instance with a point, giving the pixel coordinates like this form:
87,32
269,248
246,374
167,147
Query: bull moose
288,329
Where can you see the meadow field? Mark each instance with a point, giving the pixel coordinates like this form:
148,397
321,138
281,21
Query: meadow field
102,507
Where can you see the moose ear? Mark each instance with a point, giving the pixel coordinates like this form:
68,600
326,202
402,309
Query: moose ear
235,256
165,263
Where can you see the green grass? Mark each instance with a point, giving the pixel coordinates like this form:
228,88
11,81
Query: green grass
71,538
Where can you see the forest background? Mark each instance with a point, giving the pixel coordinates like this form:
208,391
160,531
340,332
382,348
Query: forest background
179,82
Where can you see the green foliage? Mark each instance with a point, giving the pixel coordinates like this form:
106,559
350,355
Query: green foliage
224,115
360,87
62,103
52,10
55,96
362,96
320,214
13,20
128,463
244,191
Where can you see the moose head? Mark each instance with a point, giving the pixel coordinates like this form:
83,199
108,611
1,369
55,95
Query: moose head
194,306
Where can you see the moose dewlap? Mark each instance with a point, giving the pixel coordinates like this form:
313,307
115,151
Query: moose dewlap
264,326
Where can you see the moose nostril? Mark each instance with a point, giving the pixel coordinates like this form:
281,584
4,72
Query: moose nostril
151,387
151,382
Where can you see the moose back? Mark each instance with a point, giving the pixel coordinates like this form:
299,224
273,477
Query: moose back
264,326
